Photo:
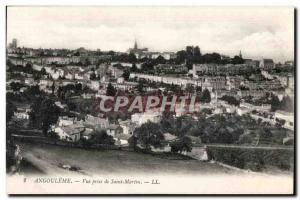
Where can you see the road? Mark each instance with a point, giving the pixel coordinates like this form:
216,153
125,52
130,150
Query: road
247,147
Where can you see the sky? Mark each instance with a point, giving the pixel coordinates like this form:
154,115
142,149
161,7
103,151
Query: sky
259,32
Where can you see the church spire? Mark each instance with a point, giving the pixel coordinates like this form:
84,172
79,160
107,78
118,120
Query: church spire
241,54
135,44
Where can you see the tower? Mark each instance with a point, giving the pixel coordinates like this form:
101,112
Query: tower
135,44
240,54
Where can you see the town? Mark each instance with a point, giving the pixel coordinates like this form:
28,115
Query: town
53,97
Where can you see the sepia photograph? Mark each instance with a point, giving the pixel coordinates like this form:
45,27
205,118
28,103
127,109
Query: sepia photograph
150,100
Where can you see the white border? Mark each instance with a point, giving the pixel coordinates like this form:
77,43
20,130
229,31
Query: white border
3,3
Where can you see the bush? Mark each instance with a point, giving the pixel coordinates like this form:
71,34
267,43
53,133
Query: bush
183,144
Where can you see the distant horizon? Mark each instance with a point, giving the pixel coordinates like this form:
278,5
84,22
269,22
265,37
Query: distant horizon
175,51
224,30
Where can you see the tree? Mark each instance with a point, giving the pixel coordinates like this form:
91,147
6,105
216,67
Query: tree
287,104
149,134
16,86
140,88
93,76
275,103
10,108
126,75
101,137
205,97
237,60
134,68
132,58
43,71
53,87
43,114
110,90
211,58
78,88
230,100
183,144
160,60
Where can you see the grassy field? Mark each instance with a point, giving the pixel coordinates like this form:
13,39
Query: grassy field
50,158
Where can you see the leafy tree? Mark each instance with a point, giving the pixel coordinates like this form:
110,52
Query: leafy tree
133,68
230,100
110,91
43,71
53,87
132,58
211,58
160,60
287,104
205,97
183,144
43,114
126,75
16,86
237,60
10,108
149,134
93,76
101,137
140,88
275,103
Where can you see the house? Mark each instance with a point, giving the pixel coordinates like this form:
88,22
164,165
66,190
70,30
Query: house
87,133
171,68
114,130
71,133
97,121
266,64
169,137
127,126
94,85
241,111
66,121
29,81
141,118
22,113
122,139
60,105
287,117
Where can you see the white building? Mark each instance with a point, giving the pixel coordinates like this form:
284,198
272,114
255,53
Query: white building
141,118
71,133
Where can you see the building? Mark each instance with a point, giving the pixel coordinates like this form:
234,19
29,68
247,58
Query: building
127,126
71,133
144,53
13,44
22,113
201,69
266,64
97,121
87,133
66,121
170,68
250,62
289,63
138,52
122,139
114,130
287,117
141,118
